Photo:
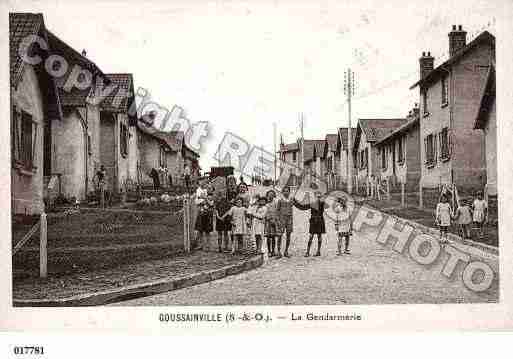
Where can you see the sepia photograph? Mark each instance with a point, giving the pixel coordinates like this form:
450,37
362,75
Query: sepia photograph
227,154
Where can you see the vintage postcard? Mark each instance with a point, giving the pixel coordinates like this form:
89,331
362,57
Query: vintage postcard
275,164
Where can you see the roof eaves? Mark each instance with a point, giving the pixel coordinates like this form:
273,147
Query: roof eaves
433,74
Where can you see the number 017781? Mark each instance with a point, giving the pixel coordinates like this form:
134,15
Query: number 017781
28,350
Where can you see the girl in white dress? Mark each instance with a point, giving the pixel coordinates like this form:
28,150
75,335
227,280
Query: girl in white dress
259,214
343,225
238,214
443,218
480,215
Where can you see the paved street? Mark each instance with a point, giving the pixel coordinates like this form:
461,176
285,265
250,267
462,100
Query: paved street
372,274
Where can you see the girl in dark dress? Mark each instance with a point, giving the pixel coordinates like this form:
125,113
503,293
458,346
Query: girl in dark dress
205,222
317,224
223,226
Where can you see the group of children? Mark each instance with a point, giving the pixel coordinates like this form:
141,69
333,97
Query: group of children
236,218
264,218
464,214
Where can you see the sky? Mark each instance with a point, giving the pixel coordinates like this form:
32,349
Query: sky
243,66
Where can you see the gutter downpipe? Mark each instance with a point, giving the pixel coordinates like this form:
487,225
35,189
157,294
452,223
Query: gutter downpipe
451,119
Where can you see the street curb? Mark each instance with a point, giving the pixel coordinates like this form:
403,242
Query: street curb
144,289
434,232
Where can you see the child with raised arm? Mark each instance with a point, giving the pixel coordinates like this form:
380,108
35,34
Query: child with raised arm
317,223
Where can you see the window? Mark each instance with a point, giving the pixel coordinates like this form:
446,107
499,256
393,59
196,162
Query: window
430,148
445,91
400,149
294,156
162,157
89,147
425,103
123,140
384,158
444,144
24,134
364,158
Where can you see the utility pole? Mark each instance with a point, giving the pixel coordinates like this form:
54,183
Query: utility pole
275,152
349,92
301,124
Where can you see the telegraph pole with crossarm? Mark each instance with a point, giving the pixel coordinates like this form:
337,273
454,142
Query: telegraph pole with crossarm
349,85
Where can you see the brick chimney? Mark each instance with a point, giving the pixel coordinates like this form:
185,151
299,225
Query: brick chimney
457,39
426,62
84,52
415,111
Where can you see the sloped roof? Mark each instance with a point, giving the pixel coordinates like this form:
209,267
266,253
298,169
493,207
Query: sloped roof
436,73
289,147
377,128
342,132
486,99
74,97
173,140
311,147
21,25
400,130
331,141
121,98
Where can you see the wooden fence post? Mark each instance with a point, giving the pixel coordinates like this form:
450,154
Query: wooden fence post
185,226
421,202
102,196
403,200
43,252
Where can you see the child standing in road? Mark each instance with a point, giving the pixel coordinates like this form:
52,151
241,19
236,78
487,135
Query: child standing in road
223,226
205,222
480,209
443,218
284,209
238,214
464,217
259,214
343,225
317,223
271,223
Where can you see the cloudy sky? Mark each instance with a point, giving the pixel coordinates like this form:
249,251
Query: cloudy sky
244,65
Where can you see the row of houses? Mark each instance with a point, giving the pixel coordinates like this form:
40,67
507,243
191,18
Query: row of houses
449,138
64,127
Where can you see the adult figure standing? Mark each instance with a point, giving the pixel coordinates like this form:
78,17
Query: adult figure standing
154,175
241,181
187,177
101,176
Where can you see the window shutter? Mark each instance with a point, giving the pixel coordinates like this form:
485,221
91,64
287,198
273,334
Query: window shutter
14,134
425,150
34,143
435,148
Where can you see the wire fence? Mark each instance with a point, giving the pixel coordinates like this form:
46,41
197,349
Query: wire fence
83,239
